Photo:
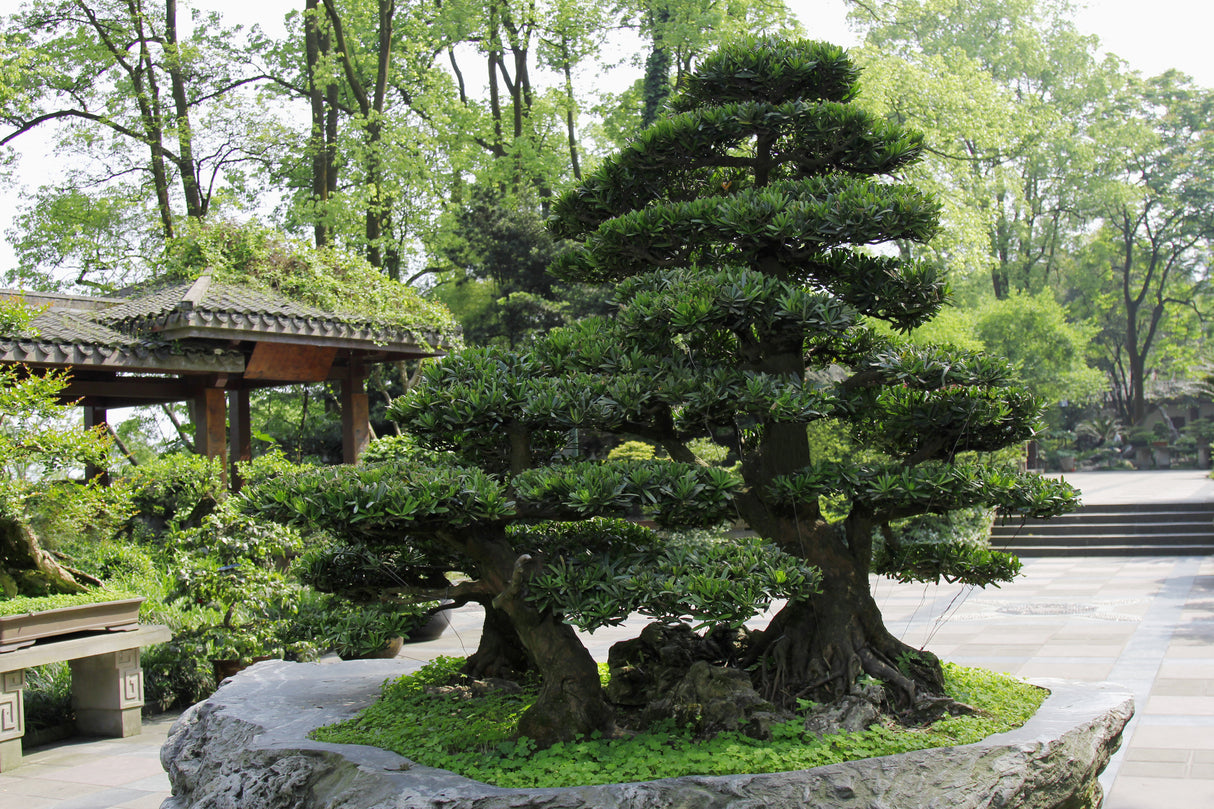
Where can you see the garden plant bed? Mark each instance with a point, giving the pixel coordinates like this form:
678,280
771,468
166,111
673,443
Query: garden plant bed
249,743
21,630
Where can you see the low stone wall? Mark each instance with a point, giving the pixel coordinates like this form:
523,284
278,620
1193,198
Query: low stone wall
246,747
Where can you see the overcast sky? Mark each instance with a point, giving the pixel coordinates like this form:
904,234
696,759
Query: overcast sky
1172,34
1152,36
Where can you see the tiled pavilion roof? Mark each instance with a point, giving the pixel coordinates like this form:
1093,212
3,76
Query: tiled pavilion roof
196,327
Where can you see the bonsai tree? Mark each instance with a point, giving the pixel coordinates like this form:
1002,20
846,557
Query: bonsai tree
491,496
33,445
751,306
748,312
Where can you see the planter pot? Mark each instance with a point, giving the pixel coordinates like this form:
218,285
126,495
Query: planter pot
18,631
431,629
386,652
391,648
1066,461
231,667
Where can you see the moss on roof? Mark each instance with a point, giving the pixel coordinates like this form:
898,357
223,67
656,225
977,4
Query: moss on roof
329,280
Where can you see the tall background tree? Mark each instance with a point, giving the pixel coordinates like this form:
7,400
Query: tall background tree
1148,269
1063,184
149,127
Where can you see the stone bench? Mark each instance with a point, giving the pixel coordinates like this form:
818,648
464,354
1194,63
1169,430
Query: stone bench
107,684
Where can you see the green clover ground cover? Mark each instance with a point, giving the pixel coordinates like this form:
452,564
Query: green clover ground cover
473,737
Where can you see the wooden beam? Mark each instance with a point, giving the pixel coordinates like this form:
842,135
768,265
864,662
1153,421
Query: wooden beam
355,414
150,390
290,363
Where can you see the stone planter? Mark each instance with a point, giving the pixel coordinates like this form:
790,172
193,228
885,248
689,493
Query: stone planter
19,631
247,746
432,629
229,667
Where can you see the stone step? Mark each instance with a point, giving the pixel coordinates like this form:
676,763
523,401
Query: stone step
1124,516
1157,529
1144,529
1064,540
1133,508
1111,550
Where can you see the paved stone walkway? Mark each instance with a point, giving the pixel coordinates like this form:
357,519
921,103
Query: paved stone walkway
1146,623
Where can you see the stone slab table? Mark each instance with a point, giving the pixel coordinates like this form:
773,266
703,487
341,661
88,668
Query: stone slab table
107,684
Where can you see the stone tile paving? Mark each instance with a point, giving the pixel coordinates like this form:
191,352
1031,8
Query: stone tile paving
92,773
1146,623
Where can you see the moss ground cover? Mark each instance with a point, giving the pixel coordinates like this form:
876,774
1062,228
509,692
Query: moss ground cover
21,605
474,736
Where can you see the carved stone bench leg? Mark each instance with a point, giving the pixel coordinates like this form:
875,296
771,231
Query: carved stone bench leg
12,718
107,694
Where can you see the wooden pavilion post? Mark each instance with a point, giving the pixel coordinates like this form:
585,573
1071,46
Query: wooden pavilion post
211,426
95,416
355,412
240,431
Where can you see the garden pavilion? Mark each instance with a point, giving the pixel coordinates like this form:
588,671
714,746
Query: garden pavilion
208,344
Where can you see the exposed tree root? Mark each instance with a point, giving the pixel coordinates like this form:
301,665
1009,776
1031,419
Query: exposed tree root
823,650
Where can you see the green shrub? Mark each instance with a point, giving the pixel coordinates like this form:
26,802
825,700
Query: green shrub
705,449
965,526
954,547
171,493
387,449
48,697
176,674
265,467
64,513
708,451
633,451
355,630
120,564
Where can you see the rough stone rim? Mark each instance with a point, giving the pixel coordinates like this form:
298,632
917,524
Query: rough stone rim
279,703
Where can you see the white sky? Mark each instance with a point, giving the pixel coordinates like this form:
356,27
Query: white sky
1152,37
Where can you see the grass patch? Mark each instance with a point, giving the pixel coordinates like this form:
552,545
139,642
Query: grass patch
474,737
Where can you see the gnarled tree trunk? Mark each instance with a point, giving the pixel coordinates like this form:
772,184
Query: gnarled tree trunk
571,702
26,569
500,653
819,645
